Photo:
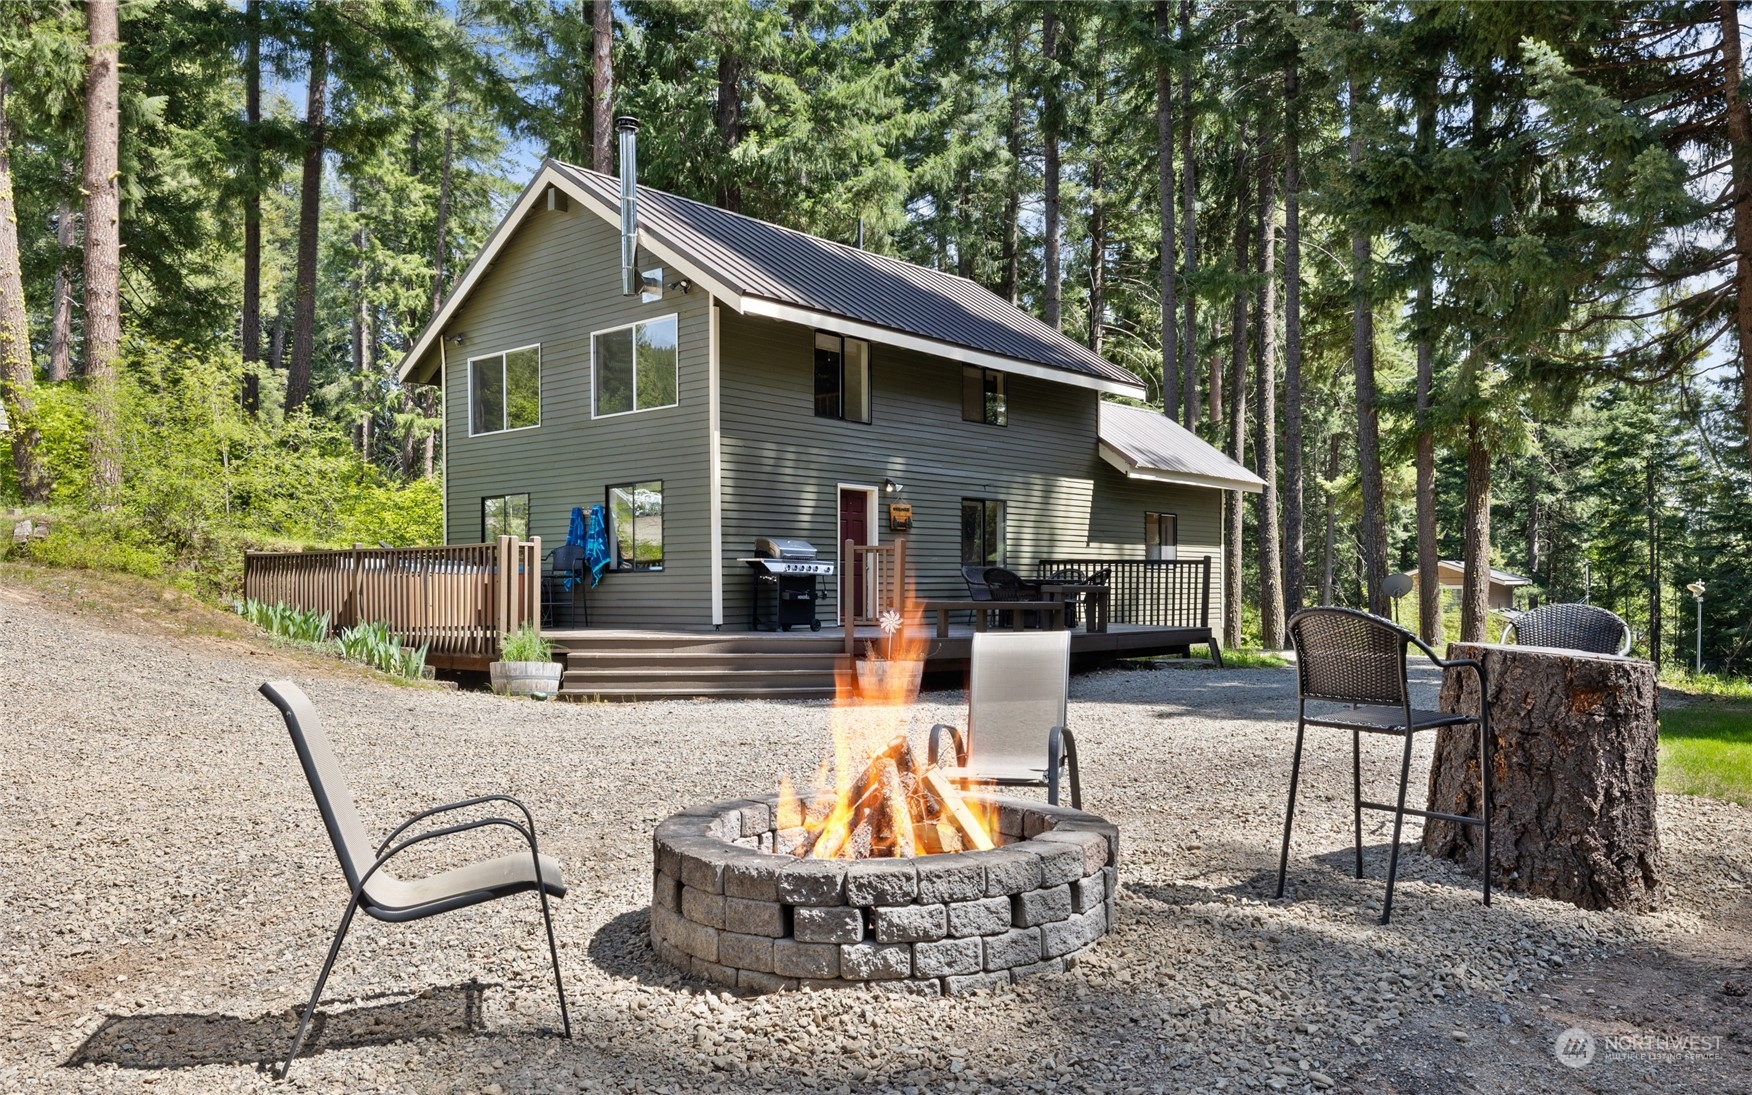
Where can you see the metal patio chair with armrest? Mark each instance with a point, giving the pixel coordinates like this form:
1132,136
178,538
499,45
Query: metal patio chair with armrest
386,897
1348,657
1588,628
1018,686
562,584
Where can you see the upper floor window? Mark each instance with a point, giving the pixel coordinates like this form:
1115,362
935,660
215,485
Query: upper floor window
635,366
1161,535
504,515
982,396
842,377
504,391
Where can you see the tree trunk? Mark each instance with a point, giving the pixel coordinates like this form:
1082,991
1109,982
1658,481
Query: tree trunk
17,369
250,325
61,323
602,86
1049,135
1475,579
1008,287
1098,215
1166,211
1189,408
1271,592
1740,147
277,343
729,117
1232,553
103,247
1294,576
1573,743
1429,587
440,241
1331,542
1374,523
309,212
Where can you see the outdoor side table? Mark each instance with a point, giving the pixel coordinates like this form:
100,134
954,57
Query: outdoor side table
1574,785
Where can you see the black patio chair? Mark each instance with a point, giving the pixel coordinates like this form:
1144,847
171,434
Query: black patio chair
1007,585
559,603
1070,574
1588,628
395,900
1353,658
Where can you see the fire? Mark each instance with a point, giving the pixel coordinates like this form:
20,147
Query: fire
875,795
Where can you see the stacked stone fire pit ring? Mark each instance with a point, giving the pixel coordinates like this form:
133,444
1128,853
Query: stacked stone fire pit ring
726,909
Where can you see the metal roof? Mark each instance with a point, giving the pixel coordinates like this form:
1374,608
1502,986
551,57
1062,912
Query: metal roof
1146,444
1500,577
778,264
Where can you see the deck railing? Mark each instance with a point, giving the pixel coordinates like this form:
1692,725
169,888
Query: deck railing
876,574
459,599
1149,592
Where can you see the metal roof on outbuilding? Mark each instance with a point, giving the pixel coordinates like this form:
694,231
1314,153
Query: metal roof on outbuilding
1146,444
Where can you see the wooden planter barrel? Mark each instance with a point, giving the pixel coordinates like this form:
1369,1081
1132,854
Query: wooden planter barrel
525,678
1575,739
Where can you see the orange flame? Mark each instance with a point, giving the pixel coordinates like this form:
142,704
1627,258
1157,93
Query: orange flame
875,795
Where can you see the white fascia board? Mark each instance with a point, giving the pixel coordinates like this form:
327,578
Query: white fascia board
706,279
495,242
1181,478
790,313
715,462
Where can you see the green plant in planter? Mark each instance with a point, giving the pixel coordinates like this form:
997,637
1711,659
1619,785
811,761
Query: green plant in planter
525,645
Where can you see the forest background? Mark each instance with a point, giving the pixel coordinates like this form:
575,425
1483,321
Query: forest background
1459,280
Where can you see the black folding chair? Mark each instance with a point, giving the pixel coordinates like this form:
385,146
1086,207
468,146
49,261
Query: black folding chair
1348,657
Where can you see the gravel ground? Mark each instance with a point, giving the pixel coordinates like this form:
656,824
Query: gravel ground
166,892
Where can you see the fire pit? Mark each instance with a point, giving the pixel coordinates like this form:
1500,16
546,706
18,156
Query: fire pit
732,904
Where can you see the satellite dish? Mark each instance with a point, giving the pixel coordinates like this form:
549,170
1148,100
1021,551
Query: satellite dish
1397,585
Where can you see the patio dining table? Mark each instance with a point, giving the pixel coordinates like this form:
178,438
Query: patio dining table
1094,596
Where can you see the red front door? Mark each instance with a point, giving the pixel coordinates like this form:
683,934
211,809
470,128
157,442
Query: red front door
854,525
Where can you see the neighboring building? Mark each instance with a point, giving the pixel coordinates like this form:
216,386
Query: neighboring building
769,383
1450,576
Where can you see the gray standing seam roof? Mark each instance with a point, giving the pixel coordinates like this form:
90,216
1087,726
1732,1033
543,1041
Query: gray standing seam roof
779,264
1153,442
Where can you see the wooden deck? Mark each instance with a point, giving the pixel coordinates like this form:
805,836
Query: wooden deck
625,664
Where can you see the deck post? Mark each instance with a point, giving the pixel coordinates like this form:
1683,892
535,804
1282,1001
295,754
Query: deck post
848,563
533,601
1204,610
358,576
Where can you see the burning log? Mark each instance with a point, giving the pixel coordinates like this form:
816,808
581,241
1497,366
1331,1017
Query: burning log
937,837
956,810
899,811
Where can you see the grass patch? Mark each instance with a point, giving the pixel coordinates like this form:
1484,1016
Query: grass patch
1242,657
1706,749
1707,684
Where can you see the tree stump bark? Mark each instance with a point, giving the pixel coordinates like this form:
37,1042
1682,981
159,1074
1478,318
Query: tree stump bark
1573,752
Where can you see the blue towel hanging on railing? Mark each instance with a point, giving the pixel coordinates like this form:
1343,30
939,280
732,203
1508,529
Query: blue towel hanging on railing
596,553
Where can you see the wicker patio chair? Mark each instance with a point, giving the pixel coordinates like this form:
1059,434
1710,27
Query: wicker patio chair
1588,628
1007,585
1017,691
386,897
1351,658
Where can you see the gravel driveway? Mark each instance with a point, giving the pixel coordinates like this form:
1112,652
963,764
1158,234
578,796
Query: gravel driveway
166,892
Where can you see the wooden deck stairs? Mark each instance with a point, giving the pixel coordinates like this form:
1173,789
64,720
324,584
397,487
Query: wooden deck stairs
630,665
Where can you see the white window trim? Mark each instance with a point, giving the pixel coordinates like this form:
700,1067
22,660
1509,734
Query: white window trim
502,355
622,327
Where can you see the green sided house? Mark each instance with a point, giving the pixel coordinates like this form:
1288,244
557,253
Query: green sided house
711,379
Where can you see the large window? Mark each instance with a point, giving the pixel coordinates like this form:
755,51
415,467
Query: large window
982,396
982,532
842,378
635,514
1161,534
635,367
504,515
504,391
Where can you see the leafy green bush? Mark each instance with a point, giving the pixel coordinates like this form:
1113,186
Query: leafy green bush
285,621
525,645
89,543
373,645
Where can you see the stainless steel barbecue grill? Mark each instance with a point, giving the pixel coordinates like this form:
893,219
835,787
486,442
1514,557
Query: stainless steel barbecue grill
785,591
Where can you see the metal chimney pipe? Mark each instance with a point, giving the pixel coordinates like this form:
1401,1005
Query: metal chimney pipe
628,127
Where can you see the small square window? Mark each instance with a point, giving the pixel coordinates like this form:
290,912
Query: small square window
504,515
504,391
983,397
635,367
842,378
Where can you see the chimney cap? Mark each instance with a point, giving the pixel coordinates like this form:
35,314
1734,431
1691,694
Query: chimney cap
626,123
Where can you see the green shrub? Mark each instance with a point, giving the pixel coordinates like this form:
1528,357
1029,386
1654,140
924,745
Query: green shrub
88,543
285,621
525,645
373,645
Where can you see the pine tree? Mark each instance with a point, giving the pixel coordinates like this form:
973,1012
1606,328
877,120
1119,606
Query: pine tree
103,255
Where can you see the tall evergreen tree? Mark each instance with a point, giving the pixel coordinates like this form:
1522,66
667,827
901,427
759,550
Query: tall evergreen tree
103,245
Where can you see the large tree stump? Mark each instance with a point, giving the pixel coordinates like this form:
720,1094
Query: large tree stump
1574,782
